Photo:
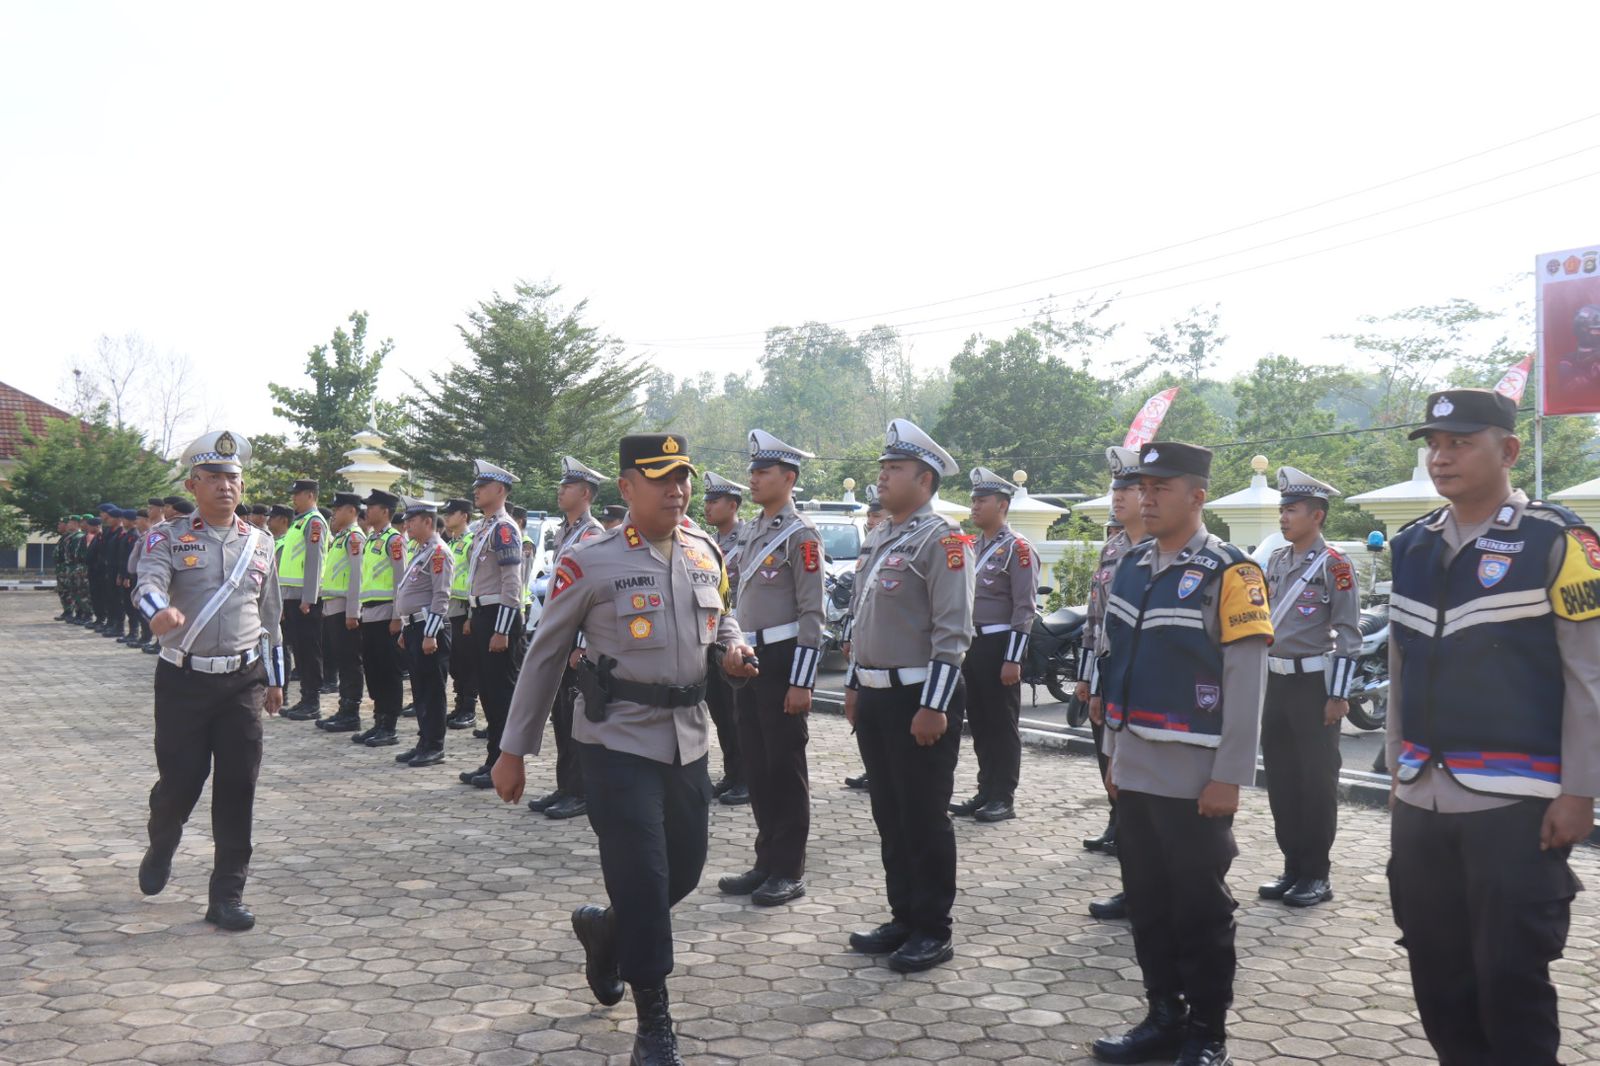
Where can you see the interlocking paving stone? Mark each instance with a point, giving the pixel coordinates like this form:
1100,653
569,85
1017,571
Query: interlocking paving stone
404,918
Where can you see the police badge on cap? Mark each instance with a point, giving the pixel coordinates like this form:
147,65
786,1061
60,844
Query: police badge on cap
986,482
1467,411
1298,485
484,471
765,450
655,455
1169,458
573,471
905,440
219,451
1124,463
719,487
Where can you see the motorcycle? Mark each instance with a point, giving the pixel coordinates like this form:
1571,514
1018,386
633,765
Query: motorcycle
837,590
1053,649
1369,692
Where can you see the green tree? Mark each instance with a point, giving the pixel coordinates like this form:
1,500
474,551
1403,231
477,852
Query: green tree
1187,347
339,404
72,467
539,383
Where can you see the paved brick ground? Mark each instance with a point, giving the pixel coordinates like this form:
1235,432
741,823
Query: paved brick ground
406,919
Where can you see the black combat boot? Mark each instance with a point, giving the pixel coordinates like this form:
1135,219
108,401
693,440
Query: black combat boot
1204,1045
653,1042
1162,1034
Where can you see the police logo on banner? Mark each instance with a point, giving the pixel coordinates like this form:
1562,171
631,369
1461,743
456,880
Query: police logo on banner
1208,697
1189,582
1492,569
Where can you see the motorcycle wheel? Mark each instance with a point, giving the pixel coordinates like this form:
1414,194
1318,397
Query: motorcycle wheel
1060,685
1077,712
1369,714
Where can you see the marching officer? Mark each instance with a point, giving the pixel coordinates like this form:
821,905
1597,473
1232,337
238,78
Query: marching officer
422,606
1182,669
300,563
458,532
341,610
1494,737
1004,590
778,601
649,598
494,584
382,560
1128,530
575,496
722,502
905,696
1316,611
209,589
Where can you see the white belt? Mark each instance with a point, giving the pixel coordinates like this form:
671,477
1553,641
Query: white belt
997,627
210,664
1283,664
486,601
890,678
408,619
772,635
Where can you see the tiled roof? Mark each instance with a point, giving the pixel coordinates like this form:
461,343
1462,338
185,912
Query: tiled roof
34,412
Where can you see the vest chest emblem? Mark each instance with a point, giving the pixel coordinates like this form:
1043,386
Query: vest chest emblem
1492,569
1189,582
1207,697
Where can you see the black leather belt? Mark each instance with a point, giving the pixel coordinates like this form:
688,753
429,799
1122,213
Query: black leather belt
656,695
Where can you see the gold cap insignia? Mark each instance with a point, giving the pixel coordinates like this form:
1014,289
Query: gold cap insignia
670,446
226,445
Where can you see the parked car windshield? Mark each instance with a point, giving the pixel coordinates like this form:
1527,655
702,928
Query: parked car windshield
839,540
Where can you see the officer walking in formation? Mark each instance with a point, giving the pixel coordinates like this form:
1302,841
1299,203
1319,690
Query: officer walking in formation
1127,531
304,547
422,606
722,502
778,602
208,587
649,598
905,696
1316,611
495,587
1004,589
1182,672
575,496
458,532
382,559
341,610
1494,737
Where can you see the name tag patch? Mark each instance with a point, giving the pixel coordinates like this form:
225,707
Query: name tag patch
1504,547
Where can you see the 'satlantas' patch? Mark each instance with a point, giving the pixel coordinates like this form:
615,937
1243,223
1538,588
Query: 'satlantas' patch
810,556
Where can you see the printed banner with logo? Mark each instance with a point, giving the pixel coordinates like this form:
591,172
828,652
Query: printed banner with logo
1515,380
1148,420
1569,331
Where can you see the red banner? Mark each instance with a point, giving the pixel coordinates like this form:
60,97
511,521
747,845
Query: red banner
1569,331
1515,381
1148,420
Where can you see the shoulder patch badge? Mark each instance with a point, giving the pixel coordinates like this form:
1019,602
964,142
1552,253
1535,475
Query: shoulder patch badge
1590,545
154,541
396,549
1243,611
356,544
955,550
314,531
810,555
438,560
1024,554
1344,575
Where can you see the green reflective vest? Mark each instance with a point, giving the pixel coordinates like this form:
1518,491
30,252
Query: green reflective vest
377,572
292,550
527,585
460,553
336,579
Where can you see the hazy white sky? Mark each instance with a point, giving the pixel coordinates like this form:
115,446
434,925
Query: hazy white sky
231,180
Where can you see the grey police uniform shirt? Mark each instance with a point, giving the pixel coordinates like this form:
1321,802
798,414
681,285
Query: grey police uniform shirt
912,602
187,561
424,586
571,534
1324,618
655,616
1178,770
494,568
395,560
1580,710
1005,582
309,588
354,547
1112,553
781,582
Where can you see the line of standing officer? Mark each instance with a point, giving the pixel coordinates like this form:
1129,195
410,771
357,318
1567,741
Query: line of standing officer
905,696
1005,587
422,606
494,586
1183,668
778,602
341,607
650,598
458,531
722,502
303,551
382,562
1493,737
210,591
1316,613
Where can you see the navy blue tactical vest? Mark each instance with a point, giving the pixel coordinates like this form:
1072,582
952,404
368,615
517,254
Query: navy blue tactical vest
1163,674
1482,691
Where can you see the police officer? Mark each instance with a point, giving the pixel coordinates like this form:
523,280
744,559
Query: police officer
1127,529
122,580
649,597
458,530
422,604
778,601
722,502
1494,737
612,516
71,552
209,589
519,516
258,515
905,696
382,559
1316,611
495,587
875,518
155,516
303,549
1182,670
341,609
575,496
1004,589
